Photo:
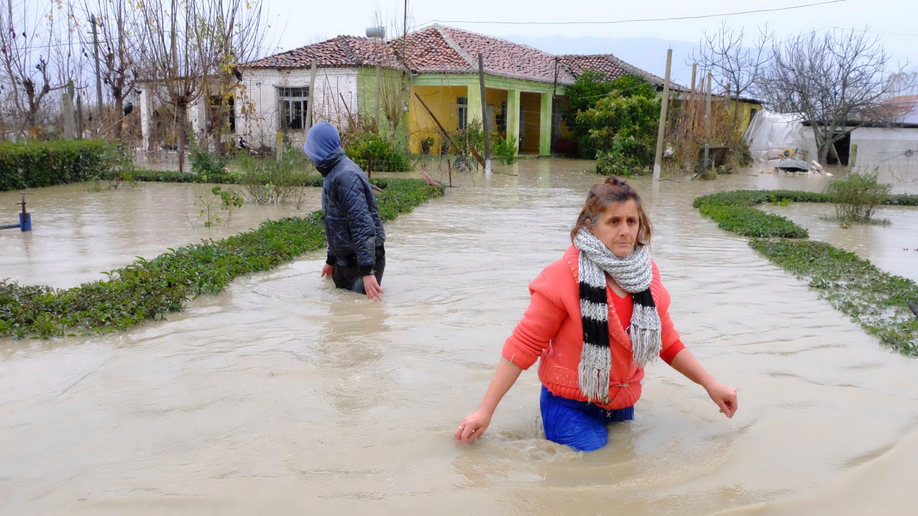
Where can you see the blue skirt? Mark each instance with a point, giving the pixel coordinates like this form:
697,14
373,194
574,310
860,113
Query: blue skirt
578,424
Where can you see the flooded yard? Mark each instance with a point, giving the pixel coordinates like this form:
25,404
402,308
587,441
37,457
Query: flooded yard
284,395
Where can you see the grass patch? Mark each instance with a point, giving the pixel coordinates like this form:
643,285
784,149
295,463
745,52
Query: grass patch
149,289
873,298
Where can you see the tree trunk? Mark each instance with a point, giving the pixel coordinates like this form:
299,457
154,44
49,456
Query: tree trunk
119,114
181,113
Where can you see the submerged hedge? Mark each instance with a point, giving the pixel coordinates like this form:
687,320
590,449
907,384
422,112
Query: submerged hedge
871,297
735,210
148,289
35,164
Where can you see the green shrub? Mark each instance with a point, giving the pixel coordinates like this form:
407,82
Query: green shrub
627,157
372,153
748,221
274,181
505,150
857,196
204,163
472,137
35,164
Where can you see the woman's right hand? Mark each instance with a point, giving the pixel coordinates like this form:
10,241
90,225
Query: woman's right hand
473,426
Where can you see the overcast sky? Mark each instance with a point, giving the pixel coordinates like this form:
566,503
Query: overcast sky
299,22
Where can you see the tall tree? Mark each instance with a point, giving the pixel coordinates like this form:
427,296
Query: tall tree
736,63
115,23
186,43
28,76
836,80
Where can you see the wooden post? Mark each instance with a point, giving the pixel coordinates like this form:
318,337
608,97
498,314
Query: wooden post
484,116
79,116
707,123
95,43
312,95
377,95
707,110
658,159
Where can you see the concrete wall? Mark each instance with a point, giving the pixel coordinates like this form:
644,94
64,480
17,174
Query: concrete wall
257,105
887,149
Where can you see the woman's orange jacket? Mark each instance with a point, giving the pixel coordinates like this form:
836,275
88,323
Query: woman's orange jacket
551,329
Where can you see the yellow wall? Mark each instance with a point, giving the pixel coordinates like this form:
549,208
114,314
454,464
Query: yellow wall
531,108
744,118
442,102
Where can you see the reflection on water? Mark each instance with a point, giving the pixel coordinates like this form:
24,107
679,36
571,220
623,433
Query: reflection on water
285,395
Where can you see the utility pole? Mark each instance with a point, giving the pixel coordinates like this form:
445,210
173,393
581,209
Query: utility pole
95,44
661,131
484,115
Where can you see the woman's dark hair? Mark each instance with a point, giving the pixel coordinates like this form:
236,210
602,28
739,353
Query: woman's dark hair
601,196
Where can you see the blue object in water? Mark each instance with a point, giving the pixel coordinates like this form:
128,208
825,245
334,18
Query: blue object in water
25,222
578,424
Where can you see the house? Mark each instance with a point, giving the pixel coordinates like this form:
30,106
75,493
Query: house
427,79
410,86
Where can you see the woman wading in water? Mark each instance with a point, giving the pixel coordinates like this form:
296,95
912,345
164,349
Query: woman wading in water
596,317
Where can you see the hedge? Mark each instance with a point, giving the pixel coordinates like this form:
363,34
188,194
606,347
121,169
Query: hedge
35,164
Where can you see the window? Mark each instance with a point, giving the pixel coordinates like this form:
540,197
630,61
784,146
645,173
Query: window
222,113
293,107
462,112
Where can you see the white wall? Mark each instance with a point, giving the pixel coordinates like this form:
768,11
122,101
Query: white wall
887,149
257,101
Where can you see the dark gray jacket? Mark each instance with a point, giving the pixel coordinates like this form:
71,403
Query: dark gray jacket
352,224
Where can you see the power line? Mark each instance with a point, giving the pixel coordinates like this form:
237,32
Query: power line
636,20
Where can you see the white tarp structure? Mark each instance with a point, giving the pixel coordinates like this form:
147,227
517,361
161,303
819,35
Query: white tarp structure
769,134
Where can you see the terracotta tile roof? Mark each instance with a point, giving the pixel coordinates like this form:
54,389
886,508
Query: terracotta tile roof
428,51
340,52
440,49
611,66
503,58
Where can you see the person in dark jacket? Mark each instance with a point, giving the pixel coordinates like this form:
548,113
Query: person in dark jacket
356,256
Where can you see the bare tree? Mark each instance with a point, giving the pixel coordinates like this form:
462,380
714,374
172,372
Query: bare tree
836,81
902,83
115,21
26,42
734,67
186,43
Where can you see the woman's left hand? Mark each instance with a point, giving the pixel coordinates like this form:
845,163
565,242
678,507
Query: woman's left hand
724,396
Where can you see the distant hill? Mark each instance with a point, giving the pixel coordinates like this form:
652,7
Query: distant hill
645,53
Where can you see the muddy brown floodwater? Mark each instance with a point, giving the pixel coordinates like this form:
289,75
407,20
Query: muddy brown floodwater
283,395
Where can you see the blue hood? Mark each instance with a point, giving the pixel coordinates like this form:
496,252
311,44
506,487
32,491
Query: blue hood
321,140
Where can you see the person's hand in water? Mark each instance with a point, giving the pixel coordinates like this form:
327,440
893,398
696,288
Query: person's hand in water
372,288
724,396
473,426
327,270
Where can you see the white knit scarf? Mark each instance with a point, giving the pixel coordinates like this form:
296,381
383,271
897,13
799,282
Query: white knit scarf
633,274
